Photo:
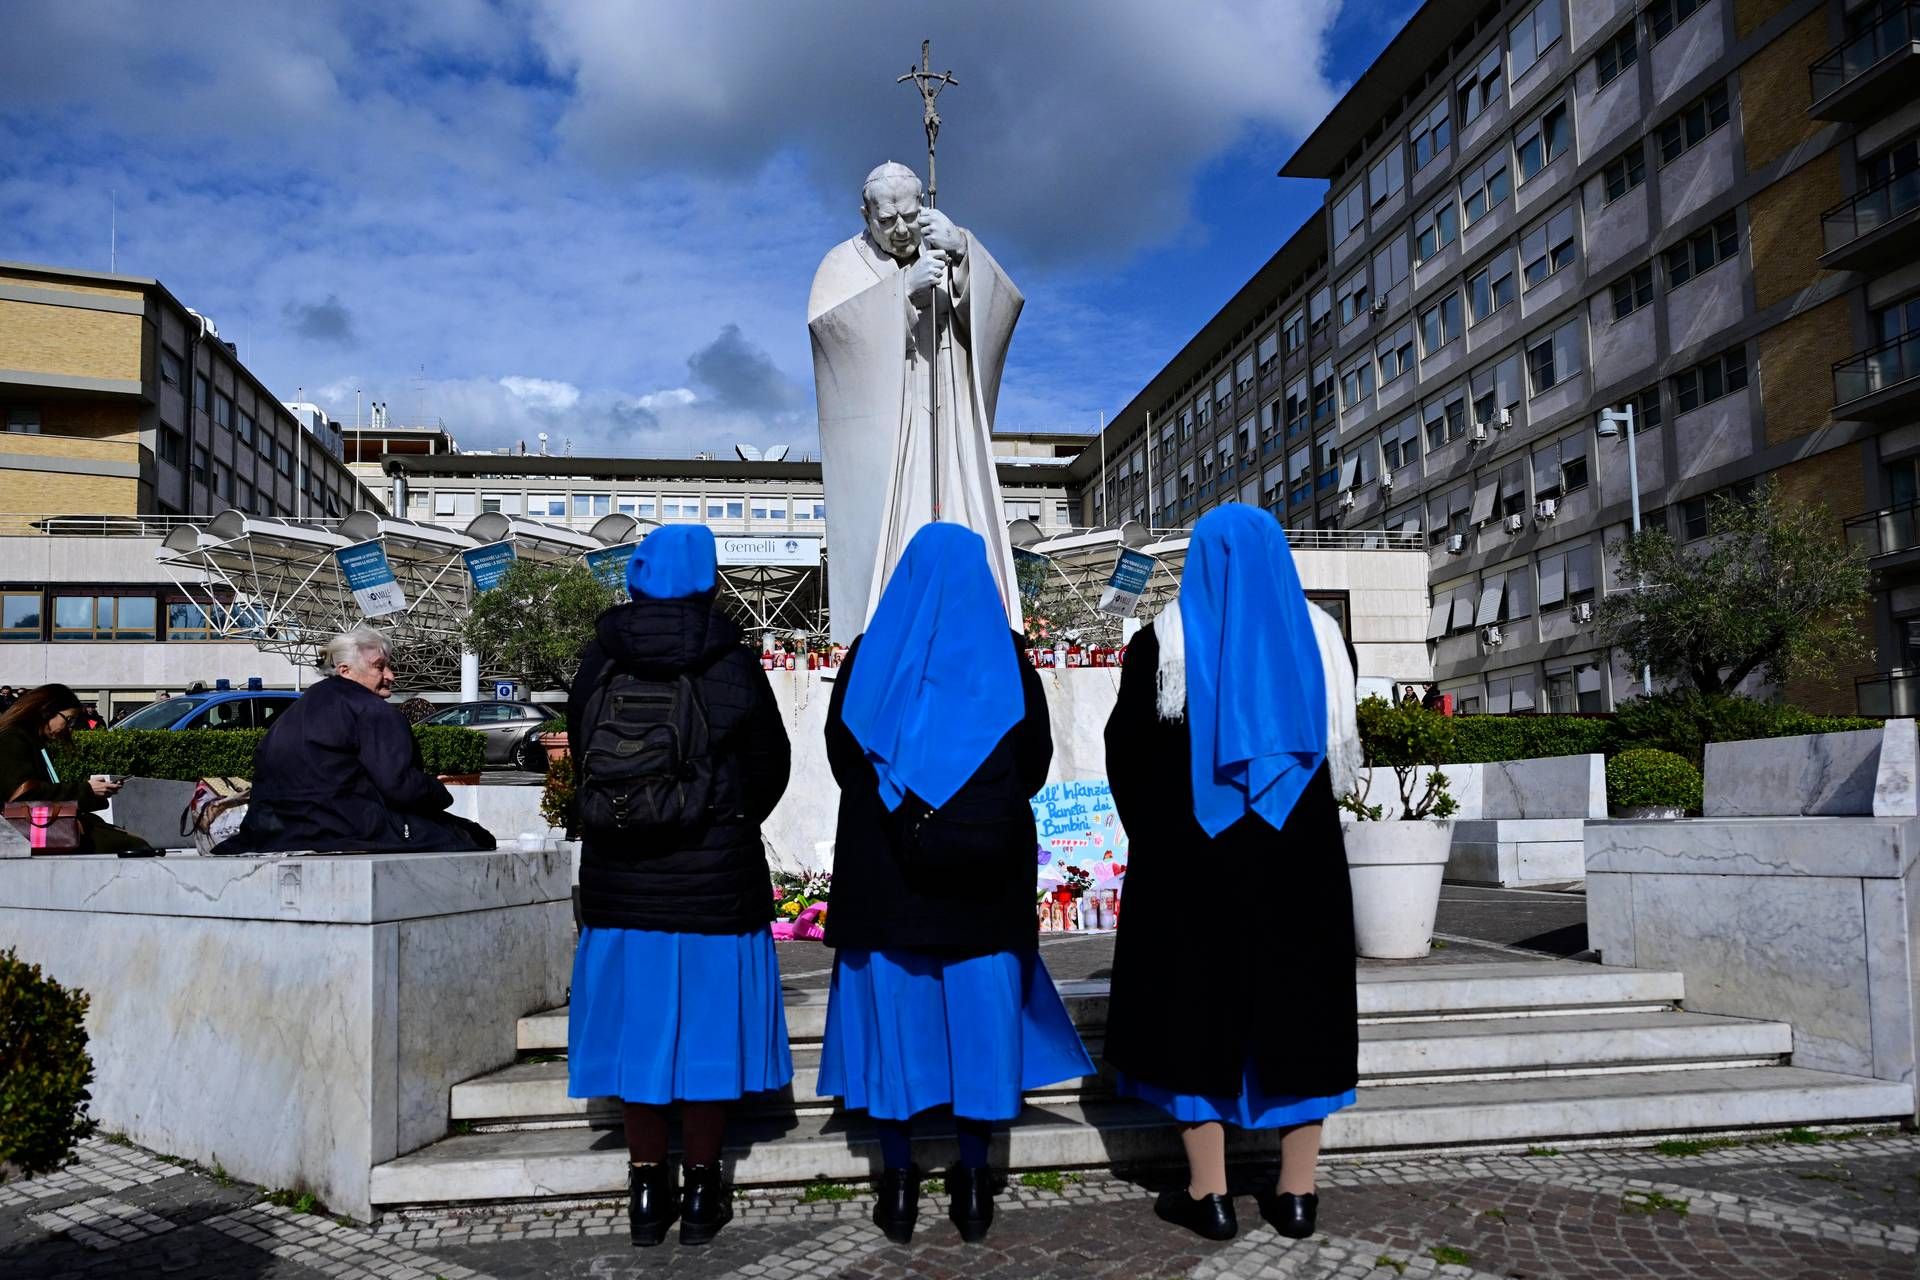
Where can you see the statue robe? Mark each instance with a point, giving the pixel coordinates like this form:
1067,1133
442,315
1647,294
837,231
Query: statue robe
874,356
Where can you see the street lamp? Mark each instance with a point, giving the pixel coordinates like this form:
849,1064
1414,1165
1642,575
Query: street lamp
1612,423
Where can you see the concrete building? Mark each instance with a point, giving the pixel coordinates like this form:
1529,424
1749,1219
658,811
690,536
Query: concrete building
1536,209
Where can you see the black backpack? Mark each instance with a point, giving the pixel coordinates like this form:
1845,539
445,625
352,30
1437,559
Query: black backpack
648,764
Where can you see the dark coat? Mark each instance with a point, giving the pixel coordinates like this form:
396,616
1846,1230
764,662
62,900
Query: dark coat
340,771
21,762
878,903
714,879
1229,948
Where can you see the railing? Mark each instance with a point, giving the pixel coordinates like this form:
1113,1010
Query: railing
1876,369
1887,693
1849,61
1870,210
1880,533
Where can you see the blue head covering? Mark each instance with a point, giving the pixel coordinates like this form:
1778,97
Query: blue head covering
937,683
1256,695
673,561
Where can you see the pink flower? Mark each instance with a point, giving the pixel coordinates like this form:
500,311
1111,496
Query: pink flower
779,894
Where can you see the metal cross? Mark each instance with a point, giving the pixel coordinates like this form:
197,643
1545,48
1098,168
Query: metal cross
929,84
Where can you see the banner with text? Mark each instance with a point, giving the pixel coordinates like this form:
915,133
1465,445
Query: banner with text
1128,583
487,565
1077,826
370,578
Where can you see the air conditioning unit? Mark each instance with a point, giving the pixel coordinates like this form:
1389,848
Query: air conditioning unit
1583,612
1516,522
1478,436
1457,542
1346,499
1492,636
1505,418
1545,509
1379,306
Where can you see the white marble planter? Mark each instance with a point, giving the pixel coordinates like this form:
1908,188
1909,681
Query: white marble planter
1648,812
1396,868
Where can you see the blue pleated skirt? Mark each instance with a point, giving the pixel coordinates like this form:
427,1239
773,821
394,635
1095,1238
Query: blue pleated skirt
1252,1108
675,1017
907,1031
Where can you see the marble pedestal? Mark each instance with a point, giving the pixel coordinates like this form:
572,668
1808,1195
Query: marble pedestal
1814,921
297,1020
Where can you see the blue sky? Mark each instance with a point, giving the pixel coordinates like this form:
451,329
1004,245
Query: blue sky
600,219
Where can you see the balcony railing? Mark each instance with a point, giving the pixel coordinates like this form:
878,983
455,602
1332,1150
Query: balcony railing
1882,533
1888,693
1870,210
1841,66
1876,369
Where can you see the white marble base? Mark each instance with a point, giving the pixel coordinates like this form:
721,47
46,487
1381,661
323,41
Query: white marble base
1867,772
297,1020
1514,852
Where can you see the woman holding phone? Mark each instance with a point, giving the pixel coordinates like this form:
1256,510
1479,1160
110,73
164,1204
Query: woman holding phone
38,721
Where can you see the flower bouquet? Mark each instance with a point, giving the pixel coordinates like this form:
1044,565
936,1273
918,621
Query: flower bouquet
800,902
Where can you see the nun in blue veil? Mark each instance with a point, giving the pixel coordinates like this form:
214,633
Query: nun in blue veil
1233,998
938,735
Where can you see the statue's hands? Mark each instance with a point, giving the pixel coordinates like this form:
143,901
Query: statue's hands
926,275
937,231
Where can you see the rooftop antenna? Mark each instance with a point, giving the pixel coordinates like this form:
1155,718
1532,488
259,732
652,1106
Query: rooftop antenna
113,230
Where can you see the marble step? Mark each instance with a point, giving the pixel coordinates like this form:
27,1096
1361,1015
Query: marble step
1416,991
574,1161
1398,1050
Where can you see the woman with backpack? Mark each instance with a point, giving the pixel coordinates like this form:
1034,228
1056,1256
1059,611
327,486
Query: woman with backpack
680,755
1234,723
938,735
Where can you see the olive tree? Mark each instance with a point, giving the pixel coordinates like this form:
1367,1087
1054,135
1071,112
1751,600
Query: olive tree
535,622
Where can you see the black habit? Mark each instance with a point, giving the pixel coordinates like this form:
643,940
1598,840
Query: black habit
989,905
340,771
1230,948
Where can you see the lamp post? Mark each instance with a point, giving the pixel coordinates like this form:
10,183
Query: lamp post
1612,422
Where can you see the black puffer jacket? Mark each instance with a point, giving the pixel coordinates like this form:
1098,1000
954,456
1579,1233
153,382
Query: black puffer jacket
713,880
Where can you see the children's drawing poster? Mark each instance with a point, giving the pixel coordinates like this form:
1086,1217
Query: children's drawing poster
1077,825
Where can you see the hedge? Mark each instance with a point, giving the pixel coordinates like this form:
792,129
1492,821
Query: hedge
1482,739
1647,777
189,754
44,1069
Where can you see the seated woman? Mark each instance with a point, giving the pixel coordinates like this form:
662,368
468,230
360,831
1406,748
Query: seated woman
340,770
37,720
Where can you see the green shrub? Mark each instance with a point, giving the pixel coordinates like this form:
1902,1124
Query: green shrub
556,798
1482,739
556,725
1404,737
1646,776
44,1069
449,749
186,755
1684,721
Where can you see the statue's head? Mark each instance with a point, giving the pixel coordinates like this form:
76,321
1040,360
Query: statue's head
890,202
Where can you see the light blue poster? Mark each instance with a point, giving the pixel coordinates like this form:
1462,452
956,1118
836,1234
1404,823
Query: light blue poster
370,578
609,566
487,565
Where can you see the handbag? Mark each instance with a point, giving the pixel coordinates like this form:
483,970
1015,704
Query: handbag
48,826
215,811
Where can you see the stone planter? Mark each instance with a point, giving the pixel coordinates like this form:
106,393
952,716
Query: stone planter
556,745
1644,812
1396,868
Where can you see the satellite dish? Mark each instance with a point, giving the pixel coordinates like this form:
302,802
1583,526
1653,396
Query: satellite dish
747,452
778,453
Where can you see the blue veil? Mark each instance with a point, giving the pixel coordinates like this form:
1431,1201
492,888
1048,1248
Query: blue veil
937,682
1256,694
674,561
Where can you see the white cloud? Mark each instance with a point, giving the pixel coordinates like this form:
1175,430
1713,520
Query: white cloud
671,398
543,393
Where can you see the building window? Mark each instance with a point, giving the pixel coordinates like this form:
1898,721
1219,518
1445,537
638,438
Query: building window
1703,250
1390,263
588,506
1490,288
199,464
173,445
222,410
1268,349
20,615
1444,420
1547,247
223,480
1624,173
1223,388
1554,358
1396,355
1354,297
1533,35
245,428
1440,324
1566,577
1560,467
1349,212
1541,142
1616,55
1319,309
1356,384
1712,378
1400,444
1436,229
1387,176
188,621
1575,689
244,500
1646,409
1664,15
544,506
170,367
1322,390
1431,134
1294,332
1632,292
776,509
1203,410
1689,126
1485,186
448,505
203,395
286,460
265,443
1480,88
105,618
24,420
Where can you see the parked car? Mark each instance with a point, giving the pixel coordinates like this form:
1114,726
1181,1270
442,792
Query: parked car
511,729
225,709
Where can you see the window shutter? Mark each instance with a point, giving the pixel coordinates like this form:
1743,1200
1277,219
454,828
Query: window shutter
1492,591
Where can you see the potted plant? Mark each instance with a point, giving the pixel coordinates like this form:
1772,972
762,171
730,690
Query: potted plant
1649,783
1396,864
553,736
556,798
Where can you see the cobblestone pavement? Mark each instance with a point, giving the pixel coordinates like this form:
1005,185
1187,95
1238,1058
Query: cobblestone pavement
1808,1206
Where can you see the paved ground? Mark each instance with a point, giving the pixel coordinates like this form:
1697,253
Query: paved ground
1810,1207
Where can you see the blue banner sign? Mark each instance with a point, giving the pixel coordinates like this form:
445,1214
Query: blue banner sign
1128,583
370,578
487,565
609,566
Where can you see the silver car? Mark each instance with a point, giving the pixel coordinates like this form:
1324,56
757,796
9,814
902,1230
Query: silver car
511,729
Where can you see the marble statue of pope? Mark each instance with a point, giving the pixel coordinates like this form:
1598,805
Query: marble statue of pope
910,322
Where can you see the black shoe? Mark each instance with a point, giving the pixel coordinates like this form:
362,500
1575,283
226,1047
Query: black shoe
971,1202
1292,1216
706,1204
1209,1216
898,1205
652,1203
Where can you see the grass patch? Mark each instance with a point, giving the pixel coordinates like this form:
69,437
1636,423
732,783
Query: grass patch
820,1191
1447,1255
1498,1215
1652,1202
1692,1146
1438,945
1049,1180
460,1127
298,1201
1820,1175
1543,1151
219,1174
116,1139
1388,1260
